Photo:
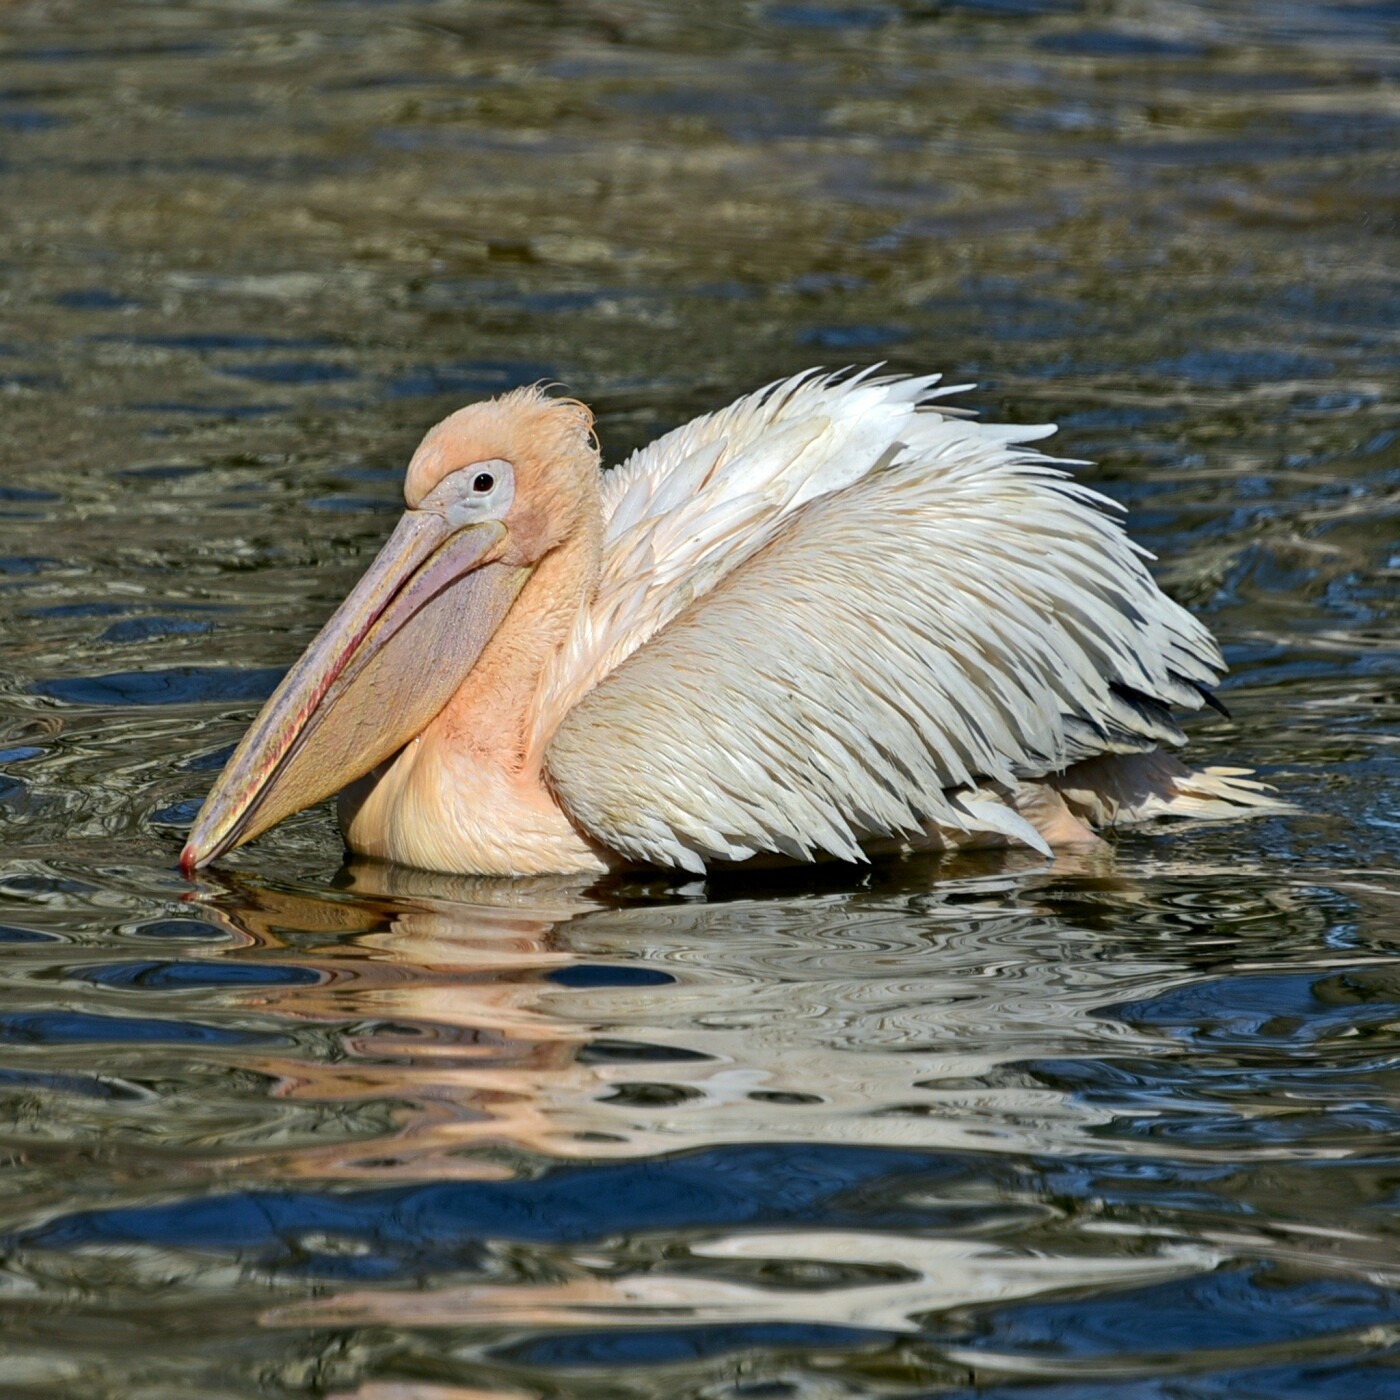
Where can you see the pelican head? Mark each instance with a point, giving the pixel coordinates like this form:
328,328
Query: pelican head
490,492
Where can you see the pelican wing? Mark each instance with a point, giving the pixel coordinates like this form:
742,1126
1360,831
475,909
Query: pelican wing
832,614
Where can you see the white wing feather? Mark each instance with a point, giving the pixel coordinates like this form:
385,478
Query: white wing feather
830,614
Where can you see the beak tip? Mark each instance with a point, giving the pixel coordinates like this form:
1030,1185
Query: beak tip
189,861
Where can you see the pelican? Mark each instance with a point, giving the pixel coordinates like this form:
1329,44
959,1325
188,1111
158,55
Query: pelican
835,618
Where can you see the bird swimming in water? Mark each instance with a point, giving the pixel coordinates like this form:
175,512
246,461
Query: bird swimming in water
833,619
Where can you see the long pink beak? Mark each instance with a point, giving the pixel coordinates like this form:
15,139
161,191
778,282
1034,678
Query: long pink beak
376,675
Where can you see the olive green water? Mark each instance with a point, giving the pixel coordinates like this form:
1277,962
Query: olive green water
1113,1128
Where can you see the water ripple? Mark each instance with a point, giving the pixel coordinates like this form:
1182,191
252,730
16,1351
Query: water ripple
1120,1127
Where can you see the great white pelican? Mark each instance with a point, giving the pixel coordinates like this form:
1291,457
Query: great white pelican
831,619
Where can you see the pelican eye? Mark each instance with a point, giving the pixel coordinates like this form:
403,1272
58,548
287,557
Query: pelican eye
474,491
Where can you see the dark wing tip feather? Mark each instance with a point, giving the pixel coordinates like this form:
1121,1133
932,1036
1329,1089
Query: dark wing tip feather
1153,709
1214,701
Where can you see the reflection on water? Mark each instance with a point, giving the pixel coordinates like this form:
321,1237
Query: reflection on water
587,1031
1123,1127
522,1130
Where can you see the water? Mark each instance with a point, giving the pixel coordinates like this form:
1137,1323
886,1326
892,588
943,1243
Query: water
1124,1127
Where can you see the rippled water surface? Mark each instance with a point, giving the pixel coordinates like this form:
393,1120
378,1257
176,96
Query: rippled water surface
1126,1126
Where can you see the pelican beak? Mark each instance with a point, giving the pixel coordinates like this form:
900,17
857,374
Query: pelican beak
379,671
